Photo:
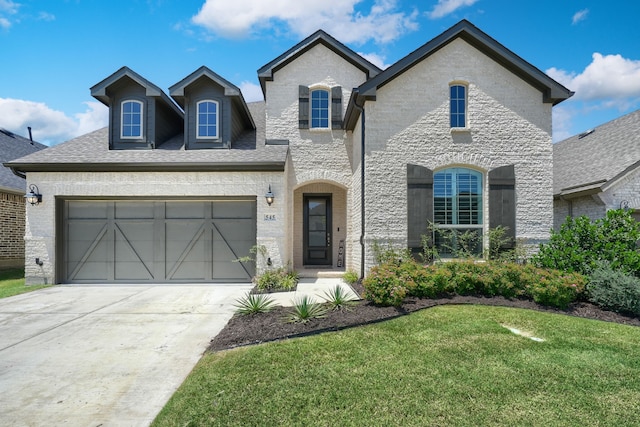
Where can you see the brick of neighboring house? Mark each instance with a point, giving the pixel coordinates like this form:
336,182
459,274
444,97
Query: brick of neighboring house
12,221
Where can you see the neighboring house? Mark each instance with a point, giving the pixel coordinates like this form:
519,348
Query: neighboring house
12,205
457,133
598,170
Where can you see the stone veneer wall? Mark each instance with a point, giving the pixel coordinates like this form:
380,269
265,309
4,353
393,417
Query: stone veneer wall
40,236
12,212
409,123
314,155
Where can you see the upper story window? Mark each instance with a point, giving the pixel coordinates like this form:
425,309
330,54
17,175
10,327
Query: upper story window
320,109
131,124
207,121
458,105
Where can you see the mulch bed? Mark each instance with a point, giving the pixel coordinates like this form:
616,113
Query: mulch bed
265,327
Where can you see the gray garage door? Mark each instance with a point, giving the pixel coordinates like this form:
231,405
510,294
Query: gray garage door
157,241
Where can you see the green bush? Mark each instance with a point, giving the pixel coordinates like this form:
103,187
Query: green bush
581,243
390,283
614,289
277,279
350,277
384,286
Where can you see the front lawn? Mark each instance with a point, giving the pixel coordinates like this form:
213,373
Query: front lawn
449,365
12,283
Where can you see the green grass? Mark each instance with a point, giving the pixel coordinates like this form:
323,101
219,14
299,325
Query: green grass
12,283
450,365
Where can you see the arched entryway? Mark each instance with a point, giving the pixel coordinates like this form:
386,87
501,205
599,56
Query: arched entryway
319,226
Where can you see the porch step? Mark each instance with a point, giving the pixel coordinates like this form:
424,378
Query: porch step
320,273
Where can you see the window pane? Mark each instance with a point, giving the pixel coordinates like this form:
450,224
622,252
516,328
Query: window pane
319,109
207,119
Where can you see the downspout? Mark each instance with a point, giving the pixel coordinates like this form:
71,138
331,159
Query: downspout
362,207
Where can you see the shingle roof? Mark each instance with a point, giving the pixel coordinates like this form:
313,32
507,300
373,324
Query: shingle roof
91,152
596,158
13,146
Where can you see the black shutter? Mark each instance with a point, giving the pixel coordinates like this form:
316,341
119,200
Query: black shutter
303,107
502,200
419,205
336,107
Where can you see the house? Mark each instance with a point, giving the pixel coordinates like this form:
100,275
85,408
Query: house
12,205
598,170
340,155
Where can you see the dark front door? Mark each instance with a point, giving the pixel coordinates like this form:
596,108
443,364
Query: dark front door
317,229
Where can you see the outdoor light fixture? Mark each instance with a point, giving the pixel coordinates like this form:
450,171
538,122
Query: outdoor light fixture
624,204
33,196
269,196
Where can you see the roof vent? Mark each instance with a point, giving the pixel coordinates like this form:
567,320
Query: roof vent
586,133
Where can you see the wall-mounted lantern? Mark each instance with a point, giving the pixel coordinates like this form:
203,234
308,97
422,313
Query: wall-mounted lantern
269,196
33,196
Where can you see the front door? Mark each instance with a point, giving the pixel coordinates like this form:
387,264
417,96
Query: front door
317,229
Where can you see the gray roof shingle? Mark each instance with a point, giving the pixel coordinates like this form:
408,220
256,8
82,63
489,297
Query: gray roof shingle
14,146
591,159
91,152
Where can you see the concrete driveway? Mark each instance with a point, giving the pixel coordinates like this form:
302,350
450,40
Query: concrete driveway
103,355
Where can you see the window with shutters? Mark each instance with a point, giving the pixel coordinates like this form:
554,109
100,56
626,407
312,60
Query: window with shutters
320,108
457,211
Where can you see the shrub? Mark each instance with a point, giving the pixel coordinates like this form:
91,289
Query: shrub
350,277
389,284
277,279
304,310
581,243
383,286
253,304
614,289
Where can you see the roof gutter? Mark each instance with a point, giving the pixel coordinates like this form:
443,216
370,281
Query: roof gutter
19,168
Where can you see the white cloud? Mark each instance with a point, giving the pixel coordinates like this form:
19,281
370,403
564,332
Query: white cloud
251,91
240,18
445,7
46,16
375,59
606,77
50,126
7,7
580,15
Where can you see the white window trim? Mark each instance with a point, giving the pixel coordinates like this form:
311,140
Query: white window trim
466,127
311,90
141,136
217,135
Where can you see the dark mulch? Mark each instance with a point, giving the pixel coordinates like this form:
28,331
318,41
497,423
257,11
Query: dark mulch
265,327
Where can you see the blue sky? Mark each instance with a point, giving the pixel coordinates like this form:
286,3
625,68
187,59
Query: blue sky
54,51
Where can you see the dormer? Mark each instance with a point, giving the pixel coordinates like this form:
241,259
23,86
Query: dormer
140,114
215,111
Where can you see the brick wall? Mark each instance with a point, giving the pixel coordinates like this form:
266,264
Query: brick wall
409,123
12,210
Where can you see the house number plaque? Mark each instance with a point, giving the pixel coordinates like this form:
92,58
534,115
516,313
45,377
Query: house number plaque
269,217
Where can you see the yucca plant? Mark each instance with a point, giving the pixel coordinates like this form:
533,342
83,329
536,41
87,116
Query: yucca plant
338,299
304,310
254,303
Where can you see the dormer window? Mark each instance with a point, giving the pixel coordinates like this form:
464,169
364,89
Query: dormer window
207,121
319,109
131,119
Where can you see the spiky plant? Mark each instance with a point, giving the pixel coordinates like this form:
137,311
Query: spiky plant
254,303
304,310
338,299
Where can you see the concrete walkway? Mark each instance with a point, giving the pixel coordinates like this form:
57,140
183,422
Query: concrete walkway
108,355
